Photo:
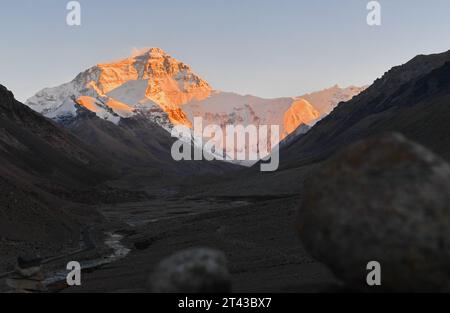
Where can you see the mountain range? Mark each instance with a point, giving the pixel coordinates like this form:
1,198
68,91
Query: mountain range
154,86
412,99
104,138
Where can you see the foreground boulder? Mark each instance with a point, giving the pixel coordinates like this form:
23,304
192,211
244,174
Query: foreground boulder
383,199
192,271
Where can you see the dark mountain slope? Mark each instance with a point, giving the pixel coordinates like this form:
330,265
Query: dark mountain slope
41,164
47,172
36,150
134,143
413,99
141,149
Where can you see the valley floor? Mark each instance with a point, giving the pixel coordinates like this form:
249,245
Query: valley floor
258,237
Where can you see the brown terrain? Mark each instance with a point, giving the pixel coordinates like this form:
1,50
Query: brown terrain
249,215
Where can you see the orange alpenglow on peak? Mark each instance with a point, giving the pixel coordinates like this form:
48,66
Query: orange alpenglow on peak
88,103
121,108
300,112
154,65
169,82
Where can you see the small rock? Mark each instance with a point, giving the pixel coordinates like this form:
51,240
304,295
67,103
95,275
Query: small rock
144,244
383,199
27,261
192,271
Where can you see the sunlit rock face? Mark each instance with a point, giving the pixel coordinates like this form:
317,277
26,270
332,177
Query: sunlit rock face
168,82
300,112
116,90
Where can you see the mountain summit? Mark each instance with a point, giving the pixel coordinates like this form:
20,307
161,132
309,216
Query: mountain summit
146,81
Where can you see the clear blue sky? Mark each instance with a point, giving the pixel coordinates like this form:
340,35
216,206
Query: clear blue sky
260,47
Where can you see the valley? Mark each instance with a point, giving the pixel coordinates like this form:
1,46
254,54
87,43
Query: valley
257,238
87,173
256,233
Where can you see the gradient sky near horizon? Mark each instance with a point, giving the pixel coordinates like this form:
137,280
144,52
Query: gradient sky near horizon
267,48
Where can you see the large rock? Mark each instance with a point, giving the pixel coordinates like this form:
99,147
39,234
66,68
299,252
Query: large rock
383,199
192,271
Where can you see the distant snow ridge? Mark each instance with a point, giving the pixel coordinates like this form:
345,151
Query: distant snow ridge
326,100
166,91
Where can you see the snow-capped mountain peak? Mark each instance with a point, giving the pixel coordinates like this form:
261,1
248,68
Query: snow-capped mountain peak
152,84
116,90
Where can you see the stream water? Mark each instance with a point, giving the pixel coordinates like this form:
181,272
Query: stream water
113,241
